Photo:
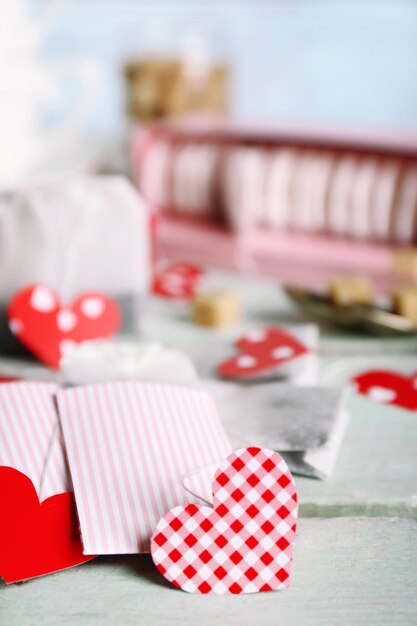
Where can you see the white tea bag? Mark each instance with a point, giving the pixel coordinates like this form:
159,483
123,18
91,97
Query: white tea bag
83,233
306,425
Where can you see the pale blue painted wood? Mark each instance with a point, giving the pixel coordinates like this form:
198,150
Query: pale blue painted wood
347,571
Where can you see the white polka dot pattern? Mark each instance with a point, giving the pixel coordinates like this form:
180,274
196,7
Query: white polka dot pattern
42,299
66,320
92,307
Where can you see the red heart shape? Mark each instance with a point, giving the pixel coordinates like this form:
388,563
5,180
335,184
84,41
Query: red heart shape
244,543
46,328
177,281
35,538
388,387
262,351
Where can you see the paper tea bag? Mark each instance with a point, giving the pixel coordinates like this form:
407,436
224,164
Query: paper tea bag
83,233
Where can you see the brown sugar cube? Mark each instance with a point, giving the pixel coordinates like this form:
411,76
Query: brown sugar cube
405,302
216,308
160,88
346,290
405,262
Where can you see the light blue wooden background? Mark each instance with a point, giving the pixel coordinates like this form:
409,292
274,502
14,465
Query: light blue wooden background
351,61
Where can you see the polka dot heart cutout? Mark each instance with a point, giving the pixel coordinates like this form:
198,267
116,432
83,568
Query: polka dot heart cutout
262,352
388,387
178,281
50,330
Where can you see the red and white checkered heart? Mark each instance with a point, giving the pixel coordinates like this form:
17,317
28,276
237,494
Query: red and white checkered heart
244,543
49,330
262,351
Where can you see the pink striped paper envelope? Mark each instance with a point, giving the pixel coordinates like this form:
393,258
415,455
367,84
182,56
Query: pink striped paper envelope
129,445
30,437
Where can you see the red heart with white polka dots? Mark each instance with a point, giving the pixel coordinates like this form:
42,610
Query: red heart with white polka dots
387,387
177,281
50,330
262,351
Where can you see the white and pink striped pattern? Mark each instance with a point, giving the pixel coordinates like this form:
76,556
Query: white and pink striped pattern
129,446
30,437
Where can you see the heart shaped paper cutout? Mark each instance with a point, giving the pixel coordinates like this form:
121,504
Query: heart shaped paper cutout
177,281
35,538
244,543
387,387
49,330
261,351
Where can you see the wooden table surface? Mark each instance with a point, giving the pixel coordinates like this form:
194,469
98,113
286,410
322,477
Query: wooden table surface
351,571
355,558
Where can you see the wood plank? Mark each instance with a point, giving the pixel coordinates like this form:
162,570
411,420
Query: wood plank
376,472
350,571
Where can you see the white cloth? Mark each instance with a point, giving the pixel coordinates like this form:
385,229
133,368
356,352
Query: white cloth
104,361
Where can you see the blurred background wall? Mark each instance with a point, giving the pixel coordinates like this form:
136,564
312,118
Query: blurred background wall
342,61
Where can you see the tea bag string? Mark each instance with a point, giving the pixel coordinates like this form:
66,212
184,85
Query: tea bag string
49,452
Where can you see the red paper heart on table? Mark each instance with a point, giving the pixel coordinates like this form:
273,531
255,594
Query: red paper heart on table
177,281
262,351
49,330
35,538
387,387
244,543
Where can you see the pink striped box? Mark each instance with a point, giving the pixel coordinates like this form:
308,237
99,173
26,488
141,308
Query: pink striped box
303,259
129,446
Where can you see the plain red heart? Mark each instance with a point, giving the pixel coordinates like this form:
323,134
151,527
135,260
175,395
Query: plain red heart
388,387
177,281
35,538
244,543
261,351
49,330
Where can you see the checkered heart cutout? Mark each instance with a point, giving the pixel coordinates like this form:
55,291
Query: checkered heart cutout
244,543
